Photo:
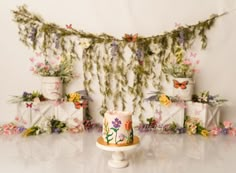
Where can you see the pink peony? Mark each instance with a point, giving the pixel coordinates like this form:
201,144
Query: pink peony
227,124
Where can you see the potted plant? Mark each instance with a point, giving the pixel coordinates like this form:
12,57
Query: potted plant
55,71
182,70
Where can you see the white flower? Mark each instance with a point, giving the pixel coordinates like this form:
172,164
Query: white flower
154,48
84,43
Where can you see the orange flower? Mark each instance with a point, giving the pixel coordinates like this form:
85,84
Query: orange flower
128,125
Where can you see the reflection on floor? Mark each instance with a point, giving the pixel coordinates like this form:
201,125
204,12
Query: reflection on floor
156,153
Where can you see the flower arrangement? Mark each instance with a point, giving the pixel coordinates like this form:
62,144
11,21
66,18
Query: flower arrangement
78,100
153,125
53,66
205,97
28,97
193,126
164,99
225,128
180,66
73,97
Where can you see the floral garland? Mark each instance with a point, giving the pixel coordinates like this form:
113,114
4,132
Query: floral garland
103,55
191,127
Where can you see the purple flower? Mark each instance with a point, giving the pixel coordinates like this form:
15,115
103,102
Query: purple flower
224,131
25,94
139,53
32,35
180,130
181,37
114,49
56,130
57,43
21,129
116,123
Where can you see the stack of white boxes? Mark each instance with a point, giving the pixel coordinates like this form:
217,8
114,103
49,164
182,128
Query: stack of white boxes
209,116
31,113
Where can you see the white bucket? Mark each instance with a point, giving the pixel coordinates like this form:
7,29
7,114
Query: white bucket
183,87
52,87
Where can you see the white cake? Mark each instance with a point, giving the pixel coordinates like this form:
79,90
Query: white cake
117,128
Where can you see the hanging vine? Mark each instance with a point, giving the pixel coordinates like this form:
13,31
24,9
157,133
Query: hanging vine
104,55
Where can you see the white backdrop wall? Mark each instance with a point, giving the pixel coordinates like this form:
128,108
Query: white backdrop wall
116,17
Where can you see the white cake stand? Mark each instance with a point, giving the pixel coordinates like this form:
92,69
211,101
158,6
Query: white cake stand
118,157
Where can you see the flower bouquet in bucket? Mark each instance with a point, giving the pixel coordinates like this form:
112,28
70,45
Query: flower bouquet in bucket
182,69
55,71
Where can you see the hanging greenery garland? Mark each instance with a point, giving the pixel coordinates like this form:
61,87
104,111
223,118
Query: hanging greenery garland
103,55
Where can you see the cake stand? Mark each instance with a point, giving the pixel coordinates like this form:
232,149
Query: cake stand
118,157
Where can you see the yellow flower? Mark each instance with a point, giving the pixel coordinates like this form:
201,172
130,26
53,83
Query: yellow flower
74,97
204,133
164,100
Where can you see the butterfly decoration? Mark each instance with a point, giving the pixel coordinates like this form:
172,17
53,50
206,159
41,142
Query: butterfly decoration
17,118
177,24
192,54
182,85
158,112
32,59
130,37
196,70
38,54
198,61
29,105
79,105
197,112
69,26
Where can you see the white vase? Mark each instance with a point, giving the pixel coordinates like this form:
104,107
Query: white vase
183,87
51,87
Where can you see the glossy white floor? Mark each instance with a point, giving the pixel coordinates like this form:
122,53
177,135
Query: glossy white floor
156,153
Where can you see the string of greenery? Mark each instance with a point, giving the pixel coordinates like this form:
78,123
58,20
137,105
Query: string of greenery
103,55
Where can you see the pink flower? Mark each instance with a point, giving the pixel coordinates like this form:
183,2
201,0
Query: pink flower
214,132
32,59
32,69
232,132
227,124
39,64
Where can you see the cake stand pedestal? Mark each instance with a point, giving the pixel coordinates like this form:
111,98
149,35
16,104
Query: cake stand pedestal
118,157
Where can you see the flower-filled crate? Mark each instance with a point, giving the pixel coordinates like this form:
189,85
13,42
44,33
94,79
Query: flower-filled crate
66,110
31,113
205,108
170,114
181,68
209,116
168,109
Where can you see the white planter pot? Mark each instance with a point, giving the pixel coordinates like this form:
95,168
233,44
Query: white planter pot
183,87
52,87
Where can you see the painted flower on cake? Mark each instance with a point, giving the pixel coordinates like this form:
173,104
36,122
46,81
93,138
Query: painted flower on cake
121,137
128,125
164,100
116,123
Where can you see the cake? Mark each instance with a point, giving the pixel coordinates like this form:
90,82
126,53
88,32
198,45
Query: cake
117,128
